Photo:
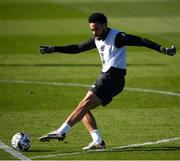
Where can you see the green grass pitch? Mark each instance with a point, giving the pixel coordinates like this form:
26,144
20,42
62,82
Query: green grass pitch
133,117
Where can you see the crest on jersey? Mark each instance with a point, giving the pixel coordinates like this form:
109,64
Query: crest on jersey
102,47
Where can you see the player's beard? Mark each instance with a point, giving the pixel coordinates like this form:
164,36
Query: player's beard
100,37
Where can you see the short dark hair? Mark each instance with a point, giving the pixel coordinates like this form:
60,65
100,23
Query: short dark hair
97,17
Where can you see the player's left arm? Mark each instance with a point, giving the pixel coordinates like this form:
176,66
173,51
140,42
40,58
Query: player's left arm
123,39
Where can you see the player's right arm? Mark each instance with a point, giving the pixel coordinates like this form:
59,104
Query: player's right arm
69,49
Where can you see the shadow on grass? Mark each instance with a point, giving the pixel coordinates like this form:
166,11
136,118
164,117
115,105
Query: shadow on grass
169,148
75,65
49,65
120,150
40,151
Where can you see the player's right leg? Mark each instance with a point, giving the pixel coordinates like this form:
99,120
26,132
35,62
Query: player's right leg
52,135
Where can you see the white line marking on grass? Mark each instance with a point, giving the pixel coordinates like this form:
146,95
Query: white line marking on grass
44,83
110,149
13,152
153,91
170,93
147,143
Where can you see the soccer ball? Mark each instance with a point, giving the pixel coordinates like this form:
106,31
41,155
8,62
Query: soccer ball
21,141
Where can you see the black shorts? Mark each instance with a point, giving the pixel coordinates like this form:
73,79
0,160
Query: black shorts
109,84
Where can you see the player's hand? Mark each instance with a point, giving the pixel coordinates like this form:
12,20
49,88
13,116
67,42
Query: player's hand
45,49
169,51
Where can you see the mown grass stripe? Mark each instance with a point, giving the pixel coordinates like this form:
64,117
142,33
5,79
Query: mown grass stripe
77,1
54,26
86,85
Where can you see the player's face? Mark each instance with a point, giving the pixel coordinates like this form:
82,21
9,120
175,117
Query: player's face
98,30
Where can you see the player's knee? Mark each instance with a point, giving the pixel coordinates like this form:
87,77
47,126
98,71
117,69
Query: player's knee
90,101
85,103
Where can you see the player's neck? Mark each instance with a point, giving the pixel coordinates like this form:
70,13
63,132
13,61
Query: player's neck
105,33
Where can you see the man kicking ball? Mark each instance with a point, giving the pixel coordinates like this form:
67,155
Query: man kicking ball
111,45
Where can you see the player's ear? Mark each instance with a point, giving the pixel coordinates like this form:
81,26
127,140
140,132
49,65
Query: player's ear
104,25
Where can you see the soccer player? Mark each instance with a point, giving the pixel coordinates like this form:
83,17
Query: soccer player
111,45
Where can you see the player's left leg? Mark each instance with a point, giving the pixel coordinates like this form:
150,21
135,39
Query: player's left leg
90,124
